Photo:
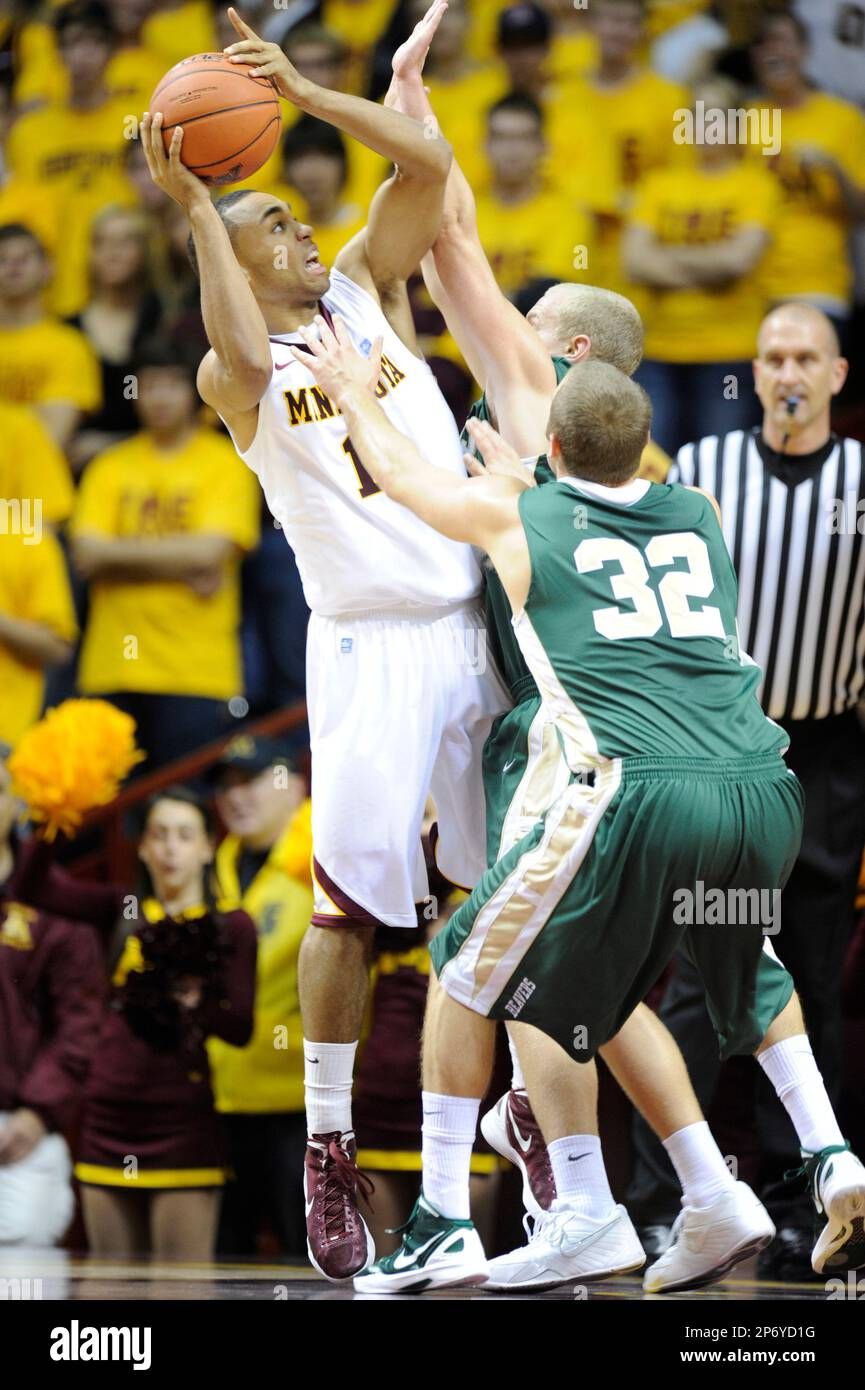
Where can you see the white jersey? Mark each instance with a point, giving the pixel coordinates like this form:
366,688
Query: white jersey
356,549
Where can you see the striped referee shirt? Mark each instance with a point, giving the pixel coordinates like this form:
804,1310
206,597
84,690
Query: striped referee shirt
795,528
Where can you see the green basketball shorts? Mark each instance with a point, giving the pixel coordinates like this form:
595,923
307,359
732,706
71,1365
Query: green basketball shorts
575,921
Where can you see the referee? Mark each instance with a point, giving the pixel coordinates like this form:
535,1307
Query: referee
791,495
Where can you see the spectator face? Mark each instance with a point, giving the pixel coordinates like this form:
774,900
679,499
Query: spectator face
23,269
175,848
127,16
779,57
515,147
85,53
276,251
618,25
318,62
796,356
525,64
317,176
167,403
258,808
117,253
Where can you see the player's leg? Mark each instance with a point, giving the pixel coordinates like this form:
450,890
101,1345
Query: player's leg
836,1177
374,727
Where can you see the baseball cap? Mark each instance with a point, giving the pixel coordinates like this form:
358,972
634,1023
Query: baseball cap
524,23
252,753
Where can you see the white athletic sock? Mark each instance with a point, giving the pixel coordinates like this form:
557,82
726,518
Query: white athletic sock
792,1070
518,1081
699,1165
328,1069
581,1178
449,1127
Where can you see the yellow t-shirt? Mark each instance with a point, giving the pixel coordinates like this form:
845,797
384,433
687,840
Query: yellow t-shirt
266,1076
706,324
811,254
31,464
34,587
77,156
543,236
161,637
131,74
48,361
35,206
175,33
360,24
616,136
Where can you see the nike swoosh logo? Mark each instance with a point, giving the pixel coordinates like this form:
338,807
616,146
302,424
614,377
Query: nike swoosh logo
414,1257
313,1061
574,1158
524,1144
281,366
507,767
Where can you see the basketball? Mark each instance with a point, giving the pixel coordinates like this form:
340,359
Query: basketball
230,121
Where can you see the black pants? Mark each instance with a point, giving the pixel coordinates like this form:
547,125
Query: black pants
817,917
170,726
267,1153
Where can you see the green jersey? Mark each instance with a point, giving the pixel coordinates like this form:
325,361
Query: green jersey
500,633
629,628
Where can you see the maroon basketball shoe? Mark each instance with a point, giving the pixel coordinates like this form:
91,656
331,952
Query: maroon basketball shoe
338,1240
512,1130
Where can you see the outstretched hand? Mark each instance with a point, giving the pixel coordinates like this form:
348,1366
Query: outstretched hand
410,57
265,59
334,360
497,458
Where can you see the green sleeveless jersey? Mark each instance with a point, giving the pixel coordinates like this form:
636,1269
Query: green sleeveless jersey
500,633
629,628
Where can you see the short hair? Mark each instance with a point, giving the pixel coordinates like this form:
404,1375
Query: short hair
10,230
522,24
88,14
601,419
801,309
523,104
312,136
609,319
770,17
171,355
223,206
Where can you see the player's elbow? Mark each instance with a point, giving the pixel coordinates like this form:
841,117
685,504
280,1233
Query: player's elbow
433,161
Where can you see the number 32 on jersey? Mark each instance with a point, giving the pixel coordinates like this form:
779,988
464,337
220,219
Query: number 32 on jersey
634,586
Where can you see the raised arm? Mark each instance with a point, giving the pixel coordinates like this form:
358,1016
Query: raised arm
482,511
502,350
406,210
235,374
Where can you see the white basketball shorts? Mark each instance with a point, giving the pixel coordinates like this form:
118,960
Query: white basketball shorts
399,709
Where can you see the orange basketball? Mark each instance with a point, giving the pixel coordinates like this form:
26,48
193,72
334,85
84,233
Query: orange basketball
230,121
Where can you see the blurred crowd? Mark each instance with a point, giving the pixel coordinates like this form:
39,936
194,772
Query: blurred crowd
137,562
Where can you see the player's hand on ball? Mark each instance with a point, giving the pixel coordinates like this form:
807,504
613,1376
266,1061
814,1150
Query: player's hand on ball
334,360
265,59
497,458
167,170
411,55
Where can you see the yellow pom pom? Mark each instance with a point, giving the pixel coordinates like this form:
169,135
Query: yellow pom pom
73,760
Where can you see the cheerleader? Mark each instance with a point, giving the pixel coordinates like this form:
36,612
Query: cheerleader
151,1157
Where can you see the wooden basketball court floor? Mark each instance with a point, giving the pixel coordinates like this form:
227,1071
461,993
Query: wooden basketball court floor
58,1276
